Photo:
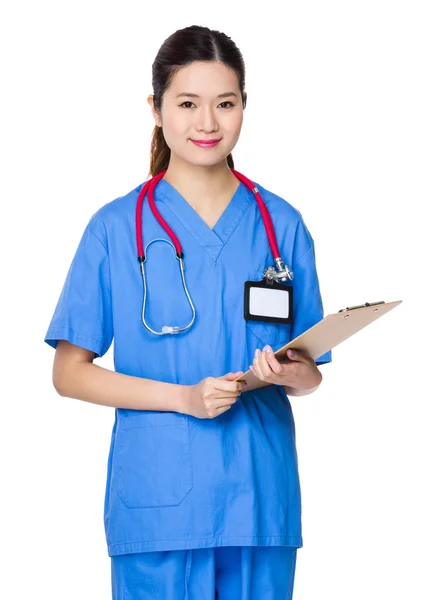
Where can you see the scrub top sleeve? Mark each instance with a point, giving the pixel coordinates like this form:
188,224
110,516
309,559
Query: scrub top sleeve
83,314
307,301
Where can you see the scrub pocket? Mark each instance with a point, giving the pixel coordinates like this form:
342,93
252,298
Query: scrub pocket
153,460
275,335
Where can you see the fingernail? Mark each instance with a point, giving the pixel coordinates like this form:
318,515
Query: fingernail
252,368
291,352
257,352
267,349
245,383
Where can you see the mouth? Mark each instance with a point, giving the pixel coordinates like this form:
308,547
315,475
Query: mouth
206,143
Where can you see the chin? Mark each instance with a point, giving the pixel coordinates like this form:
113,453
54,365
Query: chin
208,161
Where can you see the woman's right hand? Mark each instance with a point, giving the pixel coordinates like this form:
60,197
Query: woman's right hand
213,396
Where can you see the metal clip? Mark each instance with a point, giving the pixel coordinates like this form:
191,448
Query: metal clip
279,273
283,271
270,274
362,305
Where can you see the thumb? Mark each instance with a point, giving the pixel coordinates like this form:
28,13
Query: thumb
231,376
296,355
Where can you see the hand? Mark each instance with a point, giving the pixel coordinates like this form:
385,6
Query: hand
300,372
213,396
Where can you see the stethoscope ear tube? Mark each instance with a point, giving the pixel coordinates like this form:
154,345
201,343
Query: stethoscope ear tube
267,220
166,329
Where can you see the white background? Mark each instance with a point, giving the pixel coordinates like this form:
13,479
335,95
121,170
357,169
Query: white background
336,124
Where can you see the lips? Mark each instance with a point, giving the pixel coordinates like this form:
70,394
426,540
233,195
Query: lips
206,143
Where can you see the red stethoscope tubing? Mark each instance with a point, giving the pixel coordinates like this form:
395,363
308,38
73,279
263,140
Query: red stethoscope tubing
150,187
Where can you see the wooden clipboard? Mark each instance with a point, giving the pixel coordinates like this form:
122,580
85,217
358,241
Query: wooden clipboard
326,334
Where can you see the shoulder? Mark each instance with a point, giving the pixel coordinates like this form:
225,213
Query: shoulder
287,219
113,213
278,204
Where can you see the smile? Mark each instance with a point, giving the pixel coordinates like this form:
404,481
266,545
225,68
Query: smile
206,144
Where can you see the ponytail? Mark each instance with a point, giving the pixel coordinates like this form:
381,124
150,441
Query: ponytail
159,152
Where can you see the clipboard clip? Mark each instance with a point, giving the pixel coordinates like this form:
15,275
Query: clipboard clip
362,305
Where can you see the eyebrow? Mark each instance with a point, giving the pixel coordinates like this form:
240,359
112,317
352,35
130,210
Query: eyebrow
190,95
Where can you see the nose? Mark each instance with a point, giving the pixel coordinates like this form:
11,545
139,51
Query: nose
206,120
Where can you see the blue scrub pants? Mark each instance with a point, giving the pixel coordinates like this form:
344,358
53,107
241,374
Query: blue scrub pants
224,573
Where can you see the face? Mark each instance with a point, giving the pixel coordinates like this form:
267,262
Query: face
204,103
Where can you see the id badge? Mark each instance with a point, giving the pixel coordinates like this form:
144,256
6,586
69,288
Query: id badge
268,301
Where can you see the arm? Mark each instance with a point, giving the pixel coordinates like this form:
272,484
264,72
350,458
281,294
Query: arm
295,392
292,391
75,376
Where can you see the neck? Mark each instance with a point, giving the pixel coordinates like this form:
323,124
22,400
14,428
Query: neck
207,184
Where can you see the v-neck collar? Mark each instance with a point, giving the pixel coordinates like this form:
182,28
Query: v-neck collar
212,240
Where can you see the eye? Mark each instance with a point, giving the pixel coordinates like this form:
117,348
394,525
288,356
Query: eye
222,103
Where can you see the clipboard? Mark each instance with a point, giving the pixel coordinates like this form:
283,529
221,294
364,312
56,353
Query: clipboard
326,334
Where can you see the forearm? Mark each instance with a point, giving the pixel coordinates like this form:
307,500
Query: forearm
290,391
302,390
92,383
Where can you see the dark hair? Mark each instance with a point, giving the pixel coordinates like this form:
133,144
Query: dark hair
183,47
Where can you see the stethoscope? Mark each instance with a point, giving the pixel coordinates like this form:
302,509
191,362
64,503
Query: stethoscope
279,272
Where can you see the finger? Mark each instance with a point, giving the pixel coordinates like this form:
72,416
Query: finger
223,409
225,403
231,376
264,365
222,402
228,396
229,386
238,377
219,404
257,370
272,361
298,356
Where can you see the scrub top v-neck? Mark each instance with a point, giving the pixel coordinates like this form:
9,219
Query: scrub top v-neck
175,481
211,239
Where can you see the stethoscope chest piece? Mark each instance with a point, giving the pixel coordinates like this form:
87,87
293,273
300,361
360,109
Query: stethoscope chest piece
280,272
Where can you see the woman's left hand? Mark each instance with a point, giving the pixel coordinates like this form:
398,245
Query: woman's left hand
300,373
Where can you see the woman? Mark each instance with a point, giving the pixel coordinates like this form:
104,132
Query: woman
203,496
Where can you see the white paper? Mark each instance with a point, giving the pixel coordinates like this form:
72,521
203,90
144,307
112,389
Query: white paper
269,303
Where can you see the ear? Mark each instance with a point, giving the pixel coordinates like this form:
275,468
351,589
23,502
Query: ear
155,113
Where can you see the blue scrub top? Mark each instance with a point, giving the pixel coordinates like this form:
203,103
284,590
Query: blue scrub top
175,481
